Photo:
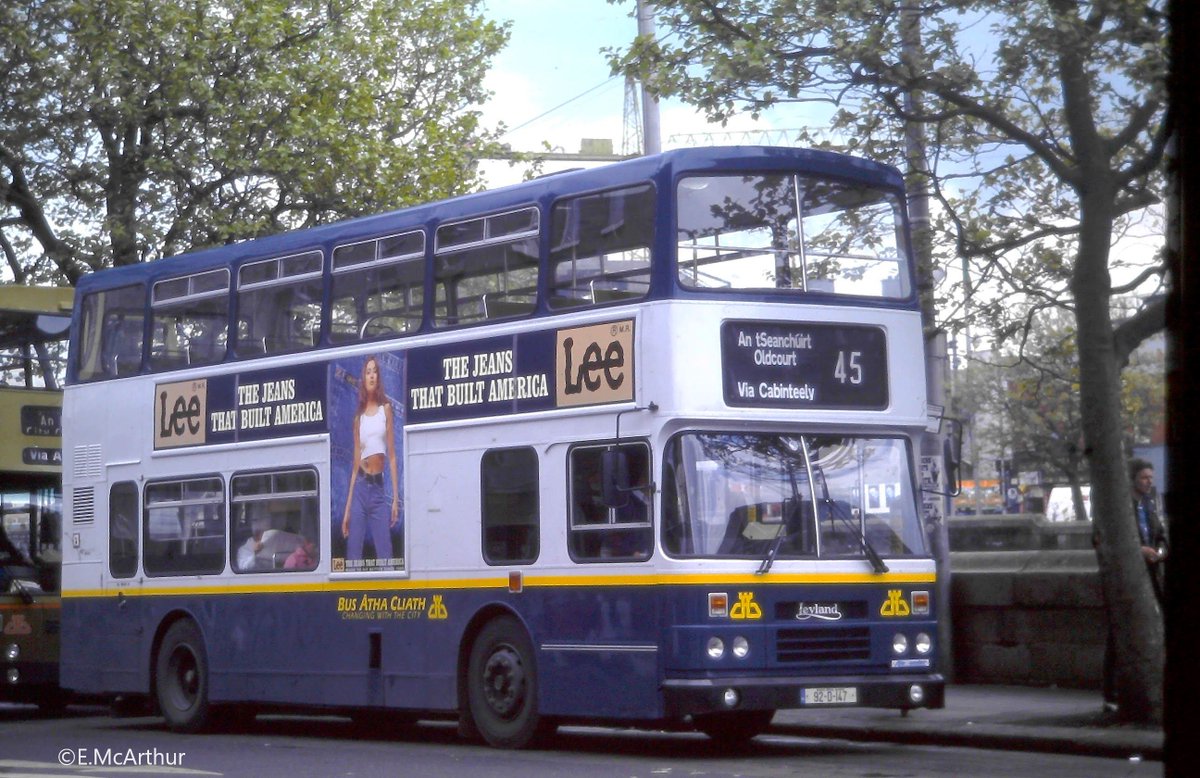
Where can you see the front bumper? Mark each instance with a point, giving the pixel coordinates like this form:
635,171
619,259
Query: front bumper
683,697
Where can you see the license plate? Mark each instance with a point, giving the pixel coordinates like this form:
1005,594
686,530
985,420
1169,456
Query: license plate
829,695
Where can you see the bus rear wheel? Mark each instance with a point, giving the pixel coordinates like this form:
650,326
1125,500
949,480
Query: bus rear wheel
735,728
181,678
502,685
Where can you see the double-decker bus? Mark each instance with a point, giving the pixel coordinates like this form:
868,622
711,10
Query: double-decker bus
629,445
34,323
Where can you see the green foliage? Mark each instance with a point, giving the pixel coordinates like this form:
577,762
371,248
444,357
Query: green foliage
1027,107
138,130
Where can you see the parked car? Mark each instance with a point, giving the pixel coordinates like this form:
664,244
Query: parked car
1061,507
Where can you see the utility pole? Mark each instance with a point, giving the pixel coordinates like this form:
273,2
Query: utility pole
631,137
933,465
652,132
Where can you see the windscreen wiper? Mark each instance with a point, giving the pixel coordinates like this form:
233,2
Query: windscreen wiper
782,533
877,563
872,555
19,588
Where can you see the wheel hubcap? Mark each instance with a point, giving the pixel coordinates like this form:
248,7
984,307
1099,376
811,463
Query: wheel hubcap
504,682
186,677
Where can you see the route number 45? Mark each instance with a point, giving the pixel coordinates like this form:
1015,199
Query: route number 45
848,369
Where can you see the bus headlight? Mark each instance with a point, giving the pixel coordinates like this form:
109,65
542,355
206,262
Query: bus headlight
899,644
716,648
14,675
924,644
12,652
741,647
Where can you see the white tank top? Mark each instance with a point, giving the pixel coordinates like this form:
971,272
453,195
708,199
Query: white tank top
371,430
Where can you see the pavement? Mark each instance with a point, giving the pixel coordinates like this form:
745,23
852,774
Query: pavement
1014,718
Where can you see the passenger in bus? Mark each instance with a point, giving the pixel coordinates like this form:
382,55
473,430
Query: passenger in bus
367,509
248,552
303,558
267,548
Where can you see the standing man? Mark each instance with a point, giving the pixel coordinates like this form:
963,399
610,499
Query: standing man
1153,538
1151,531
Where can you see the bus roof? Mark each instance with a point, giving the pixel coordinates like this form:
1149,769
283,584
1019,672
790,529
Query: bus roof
17,298
661,167
33,314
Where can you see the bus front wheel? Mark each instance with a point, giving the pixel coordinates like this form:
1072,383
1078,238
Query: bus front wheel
181,678
502,685
735,728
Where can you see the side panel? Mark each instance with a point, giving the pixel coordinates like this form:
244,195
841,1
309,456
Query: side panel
600,651
627,649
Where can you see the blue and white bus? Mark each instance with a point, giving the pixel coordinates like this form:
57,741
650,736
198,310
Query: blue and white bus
629,445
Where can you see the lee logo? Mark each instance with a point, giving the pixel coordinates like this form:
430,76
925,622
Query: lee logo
179,413
894,605
746,607
595,364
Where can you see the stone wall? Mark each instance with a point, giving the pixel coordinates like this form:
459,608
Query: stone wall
1029,610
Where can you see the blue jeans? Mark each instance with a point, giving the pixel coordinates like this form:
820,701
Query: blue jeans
370,512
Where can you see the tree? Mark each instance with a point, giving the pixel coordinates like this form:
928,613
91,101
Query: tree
1025,397
1031,397
134,130
1048,127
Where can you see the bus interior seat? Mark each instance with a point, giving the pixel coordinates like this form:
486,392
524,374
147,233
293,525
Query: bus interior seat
251,347
560,301
797,527
205,352
497,307
125,347
735,540
605,294
169,358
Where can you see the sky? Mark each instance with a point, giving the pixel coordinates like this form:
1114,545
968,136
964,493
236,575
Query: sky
554,58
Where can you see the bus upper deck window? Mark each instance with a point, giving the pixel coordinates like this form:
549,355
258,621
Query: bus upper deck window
279,304
600,247
112,333
790,232
486,268
191,319
378,287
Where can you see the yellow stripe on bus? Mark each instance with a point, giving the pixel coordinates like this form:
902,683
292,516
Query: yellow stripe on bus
530,581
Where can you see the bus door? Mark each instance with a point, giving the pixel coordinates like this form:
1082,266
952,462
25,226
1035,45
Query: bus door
121,612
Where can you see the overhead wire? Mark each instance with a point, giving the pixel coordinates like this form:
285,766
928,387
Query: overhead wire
563,104
584,93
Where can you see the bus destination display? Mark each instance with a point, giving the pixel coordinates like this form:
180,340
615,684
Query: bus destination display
804,365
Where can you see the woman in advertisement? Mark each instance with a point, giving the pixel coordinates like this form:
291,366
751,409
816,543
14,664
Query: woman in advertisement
374,447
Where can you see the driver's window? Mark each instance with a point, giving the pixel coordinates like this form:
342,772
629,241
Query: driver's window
600,532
